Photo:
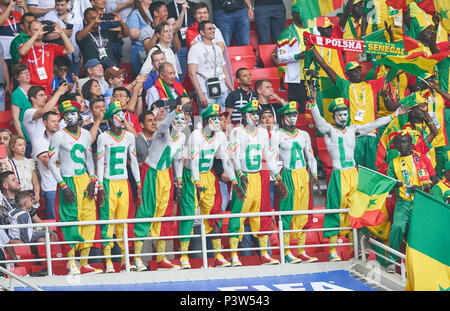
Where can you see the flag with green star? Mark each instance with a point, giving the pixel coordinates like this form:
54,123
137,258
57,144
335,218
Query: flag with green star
443,9
368,202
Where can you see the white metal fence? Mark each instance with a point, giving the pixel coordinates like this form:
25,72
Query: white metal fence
204,250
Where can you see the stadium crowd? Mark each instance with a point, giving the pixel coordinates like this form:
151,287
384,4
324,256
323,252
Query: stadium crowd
183,131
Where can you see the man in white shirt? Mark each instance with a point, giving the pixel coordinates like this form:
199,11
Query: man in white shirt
71,24
40,152
206,61
32,119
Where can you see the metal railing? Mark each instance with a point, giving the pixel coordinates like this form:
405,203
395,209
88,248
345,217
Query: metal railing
370,241
204,250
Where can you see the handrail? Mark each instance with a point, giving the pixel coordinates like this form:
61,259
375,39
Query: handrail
202,235
15,277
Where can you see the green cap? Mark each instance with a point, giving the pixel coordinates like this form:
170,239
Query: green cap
252,106
113,108
291,107
339,103
351,65
69,105
211,110
296,6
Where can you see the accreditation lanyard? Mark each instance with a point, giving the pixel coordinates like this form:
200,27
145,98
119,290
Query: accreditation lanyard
13,25
35,58
356,96
178,13
16,171
98,42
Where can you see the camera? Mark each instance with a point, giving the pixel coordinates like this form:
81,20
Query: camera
107,17
48,26
69,26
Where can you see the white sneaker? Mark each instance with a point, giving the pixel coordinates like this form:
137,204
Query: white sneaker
334,256
140,265
267,260
184,262
110,268
235,262
73,269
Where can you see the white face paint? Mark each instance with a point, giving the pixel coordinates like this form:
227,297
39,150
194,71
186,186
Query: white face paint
214,123
119,119
252,118
180,122
290,119
341,117
71,117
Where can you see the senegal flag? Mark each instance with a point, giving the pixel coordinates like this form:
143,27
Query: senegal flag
369,198
310,9
417,63
427,250
443,9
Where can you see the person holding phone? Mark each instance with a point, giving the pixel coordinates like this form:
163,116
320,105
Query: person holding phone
39,56
96,42
70,24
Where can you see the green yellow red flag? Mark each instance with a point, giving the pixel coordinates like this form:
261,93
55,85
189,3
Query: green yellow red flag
427,251
368,202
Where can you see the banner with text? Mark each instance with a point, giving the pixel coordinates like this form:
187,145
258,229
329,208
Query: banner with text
358,46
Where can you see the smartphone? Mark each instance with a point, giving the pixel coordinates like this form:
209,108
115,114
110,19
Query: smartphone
69,26
107,17
2,151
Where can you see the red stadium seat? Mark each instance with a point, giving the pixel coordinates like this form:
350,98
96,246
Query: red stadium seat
242,62
243,50
270,73
265,54
6,121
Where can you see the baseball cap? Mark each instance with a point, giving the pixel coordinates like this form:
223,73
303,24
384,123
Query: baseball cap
113,72
351,65
91,63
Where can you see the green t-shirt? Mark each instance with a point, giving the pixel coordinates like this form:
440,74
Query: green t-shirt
19,99
444,74
14,47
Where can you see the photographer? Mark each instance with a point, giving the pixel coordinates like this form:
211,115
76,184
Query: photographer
97,43
70,25
39,56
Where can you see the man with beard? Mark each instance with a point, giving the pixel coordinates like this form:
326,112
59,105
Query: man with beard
75,192
115,199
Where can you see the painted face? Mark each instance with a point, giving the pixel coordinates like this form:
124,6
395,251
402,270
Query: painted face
119,119
252,118
71,117
180,122
341,117
290,119
214,123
